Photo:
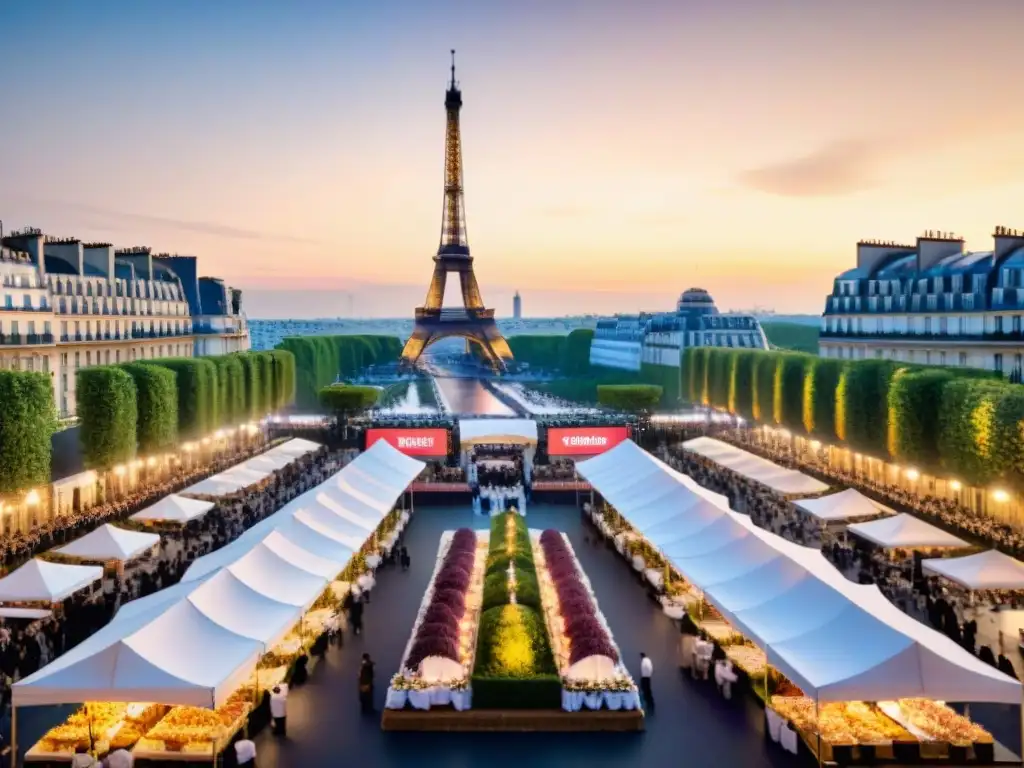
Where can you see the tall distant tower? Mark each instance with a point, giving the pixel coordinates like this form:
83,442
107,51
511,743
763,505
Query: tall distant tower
517,306
471,321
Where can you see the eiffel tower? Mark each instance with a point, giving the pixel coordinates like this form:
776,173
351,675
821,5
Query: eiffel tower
472,321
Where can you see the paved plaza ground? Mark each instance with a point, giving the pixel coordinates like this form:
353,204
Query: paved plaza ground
693,725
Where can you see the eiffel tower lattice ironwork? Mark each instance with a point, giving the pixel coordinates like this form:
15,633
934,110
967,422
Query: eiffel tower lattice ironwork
472,321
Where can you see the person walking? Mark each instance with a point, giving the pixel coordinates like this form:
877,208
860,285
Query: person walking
366,685
646,671
279,709
355,615
404,558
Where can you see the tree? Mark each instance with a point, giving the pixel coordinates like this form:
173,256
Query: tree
107,414
28,419
632,398
196,383
157,406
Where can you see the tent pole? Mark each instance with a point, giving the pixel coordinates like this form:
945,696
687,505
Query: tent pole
14,735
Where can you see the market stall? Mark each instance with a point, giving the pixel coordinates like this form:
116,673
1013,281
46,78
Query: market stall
905,531
850,504
40,581
207,648
822,637
985,570
110,543
753,467
227,482
173,509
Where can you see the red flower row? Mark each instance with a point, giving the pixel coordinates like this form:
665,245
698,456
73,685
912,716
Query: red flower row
586,635
438,634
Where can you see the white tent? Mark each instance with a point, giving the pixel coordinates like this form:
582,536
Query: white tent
906,532
109,542
40,581
754,467
196,642
836,640
517,431
845,505
985,570
174,509
297,446
227,482
179,656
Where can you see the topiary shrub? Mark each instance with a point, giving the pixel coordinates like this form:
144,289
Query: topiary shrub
28,419
157,406
107,415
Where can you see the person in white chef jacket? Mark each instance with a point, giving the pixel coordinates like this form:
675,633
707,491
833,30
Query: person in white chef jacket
279,708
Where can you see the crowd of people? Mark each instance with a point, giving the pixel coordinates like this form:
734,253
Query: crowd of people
897,573
26,646
435,472
556,469
946,512
18,547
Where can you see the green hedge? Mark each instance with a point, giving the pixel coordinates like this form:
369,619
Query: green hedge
157,406
107,415
914,404
862,404
540,350
28,419
284,378
741,383
819,398
540,692
576,358
632,398
251,384
319,361
231,391
790,374
764,387
347,399
196,380
668,377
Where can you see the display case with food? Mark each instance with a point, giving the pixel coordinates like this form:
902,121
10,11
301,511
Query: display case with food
941,731
99,726
193,733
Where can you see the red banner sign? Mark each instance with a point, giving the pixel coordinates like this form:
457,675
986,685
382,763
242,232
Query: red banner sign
412,442
584,441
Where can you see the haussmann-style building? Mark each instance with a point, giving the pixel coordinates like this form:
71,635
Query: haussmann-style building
931,303
66,305
629,342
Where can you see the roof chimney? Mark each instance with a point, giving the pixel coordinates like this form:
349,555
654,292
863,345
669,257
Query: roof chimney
933,246
1006,240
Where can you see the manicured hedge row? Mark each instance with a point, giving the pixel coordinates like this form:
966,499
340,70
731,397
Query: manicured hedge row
157,406
322,360
107,414
28,419
961,421
346,399
632,398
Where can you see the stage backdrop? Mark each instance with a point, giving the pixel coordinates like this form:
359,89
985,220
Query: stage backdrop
412,442
584,441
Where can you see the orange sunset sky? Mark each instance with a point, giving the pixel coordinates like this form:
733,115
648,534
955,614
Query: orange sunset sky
615,152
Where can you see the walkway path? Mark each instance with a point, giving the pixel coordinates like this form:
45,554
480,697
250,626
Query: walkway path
693,725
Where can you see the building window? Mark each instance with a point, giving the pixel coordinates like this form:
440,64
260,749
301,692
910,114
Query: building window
88,358
963,358
942,358
27,301
997,361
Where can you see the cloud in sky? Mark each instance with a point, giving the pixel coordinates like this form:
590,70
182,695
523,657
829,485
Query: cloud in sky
840,168
113,218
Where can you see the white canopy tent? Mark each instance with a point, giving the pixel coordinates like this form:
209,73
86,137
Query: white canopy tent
517,431
836,640
227,482
985,570
108,542
754,467
174,509
905,531
845,505
297,446
40,581
196,642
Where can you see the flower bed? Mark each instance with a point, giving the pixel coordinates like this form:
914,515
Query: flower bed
587,658
514,666
436,663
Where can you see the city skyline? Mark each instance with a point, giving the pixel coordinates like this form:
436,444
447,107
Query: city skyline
612,157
